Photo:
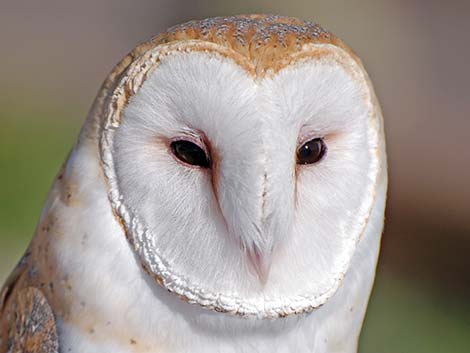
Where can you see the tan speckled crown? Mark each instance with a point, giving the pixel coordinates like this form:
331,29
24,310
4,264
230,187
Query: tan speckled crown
267,41
264,40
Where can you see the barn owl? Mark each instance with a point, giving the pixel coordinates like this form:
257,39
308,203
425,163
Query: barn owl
226,194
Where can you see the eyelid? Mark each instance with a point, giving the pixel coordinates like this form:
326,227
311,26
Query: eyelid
306,138
196,139
307,132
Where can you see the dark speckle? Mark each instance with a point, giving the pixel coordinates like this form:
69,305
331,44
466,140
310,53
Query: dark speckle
261,28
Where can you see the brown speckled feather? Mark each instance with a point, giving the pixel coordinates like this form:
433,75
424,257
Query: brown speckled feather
267,41
26,320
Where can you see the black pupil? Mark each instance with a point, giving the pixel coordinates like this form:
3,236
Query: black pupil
311,151
190,153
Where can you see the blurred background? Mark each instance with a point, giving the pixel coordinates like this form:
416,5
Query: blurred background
55,54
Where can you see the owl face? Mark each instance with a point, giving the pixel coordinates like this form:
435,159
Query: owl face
241,191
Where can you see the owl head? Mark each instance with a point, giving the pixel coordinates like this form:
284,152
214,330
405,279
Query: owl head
242,157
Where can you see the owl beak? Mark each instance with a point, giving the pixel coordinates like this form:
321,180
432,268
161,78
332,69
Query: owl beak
261,263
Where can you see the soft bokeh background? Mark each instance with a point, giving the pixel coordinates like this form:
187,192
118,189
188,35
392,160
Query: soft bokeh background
55,54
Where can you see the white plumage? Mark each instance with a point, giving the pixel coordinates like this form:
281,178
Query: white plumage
254,252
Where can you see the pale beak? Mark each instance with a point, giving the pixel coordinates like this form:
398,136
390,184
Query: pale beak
261,263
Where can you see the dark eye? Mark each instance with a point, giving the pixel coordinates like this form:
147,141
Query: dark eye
190,153
311,151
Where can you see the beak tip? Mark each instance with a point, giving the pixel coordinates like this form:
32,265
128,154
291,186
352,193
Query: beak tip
263,276
261,264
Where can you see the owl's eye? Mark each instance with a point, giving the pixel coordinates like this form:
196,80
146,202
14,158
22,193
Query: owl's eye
311,151
190,153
